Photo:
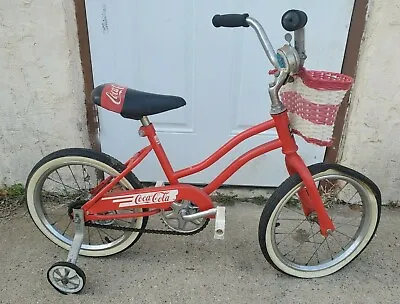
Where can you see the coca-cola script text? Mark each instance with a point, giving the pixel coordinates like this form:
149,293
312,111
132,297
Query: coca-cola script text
115,94
146,198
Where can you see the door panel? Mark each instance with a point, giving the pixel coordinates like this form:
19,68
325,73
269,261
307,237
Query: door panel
171,47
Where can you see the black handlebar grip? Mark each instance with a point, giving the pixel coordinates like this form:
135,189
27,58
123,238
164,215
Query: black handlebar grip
294,20
230,20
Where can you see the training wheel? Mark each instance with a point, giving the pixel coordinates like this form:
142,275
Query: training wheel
66,277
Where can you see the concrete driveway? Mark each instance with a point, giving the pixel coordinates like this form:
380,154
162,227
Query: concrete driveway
196,269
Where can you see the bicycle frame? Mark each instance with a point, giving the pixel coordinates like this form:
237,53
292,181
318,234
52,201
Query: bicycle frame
309,195
179,203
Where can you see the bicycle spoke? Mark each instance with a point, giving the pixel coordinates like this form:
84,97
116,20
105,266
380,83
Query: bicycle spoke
65,230
302,214
334,217
344,235
316,251
49,195
333,185
291,231
311,225
346,224
350,238
301,244
66,192
109,235
65,186
297,247
52,224
57,208
329,248
98,231
289,219
352,197
74,177
333,236
342,188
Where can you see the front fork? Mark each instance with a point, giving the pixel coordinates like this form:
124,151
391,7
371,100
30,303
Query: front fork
309,195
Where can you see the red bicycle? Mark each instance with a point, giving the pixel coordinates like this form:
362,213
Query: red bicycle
315,223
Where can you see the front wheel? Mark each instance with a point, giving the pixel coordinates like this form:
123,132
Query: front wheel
292,242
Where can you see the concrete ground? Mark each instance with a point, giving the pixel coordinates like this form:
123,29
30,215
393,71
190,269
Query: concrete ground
196,269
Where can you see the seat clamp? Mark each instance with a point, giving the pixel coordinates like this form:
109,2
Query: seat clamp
141,133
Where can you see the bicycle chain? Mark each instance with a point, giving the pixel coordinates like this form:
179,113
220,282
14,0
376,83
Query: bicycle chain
152,231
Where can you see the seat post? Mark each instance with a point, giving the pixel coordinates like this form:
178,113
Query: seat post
145,121
148,130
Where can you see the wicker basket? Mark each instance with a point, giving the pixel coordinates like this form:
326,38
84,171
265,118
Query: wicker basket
312,101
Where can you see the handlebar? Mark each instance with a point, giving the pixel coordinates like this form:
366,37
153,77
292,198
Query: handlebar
230,20
292,20
266,44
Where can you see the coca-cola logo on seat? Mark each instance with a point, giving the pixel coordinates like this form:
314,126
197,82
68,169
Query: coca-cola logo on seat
157,197
115,94
112,97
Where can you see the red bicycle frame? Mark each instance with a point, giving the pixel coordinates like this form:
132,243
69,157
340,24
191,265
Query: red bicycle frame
309,195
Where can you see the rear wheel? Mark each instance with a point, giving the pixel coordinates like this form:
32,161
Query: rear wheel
63,181
292,242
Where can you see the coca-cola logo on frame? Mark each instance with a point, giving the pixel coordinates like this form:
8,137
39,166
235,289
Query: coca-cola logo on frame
147,198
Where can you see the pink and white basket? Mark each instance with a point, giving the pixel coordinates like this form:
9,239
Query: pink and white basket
312,101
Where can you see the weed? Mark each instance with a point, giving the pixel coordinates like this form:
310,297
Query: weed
224,199
13,191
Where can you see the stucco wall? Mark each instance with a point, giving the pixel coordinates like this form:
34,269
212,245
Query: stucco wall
41,84
372,141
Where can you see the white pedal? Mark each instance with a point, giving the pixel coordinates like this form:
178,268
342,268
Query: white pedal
219,223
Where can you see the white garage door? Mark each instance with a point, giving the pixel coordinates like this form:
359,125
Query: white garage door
171,47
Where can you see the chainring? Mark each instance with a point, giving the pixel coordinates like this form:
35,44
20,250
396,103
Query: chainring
173,219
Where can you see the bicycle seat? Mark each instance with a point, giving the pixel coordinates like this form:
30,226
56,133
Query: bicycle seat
132,103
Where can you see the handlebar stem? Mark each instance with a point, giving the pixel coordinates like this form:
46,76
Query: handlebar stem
266,44
299,45
276,104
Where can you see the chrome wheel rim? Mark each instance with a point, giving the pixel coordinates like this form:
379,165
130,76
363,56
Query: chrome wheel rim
306,233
